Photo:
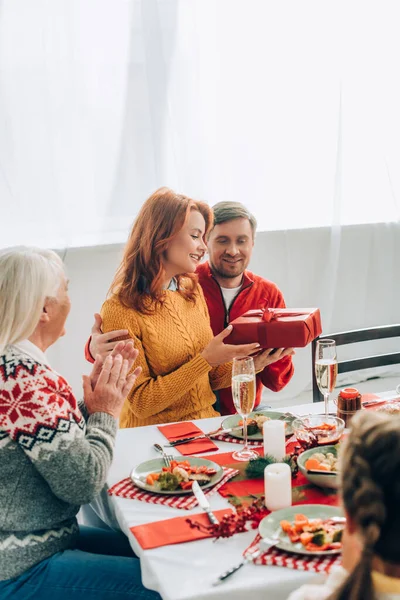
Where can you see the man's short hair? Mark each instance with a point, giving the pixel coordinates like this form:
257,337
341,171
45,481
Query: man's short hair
227,211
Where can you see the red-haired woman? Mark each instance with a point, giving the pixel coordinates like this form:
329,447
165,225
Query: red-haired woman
156,298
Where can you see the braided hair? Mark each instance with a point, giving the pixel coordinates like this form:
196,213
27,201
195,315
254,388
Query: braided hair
370,488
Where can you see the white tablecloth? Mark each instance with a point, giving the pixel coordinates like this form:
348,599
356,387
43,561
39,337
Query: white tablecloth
184,571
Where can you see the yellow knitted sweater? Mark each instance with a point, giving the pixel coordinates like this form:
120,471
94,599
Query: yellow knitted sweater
176,383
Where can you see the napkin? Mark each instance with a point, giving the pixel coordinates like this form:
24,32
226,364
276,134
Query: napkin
177,431
174,531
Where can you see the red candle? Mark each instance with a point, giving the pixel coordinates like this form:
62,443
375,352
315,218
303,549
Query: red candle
348,393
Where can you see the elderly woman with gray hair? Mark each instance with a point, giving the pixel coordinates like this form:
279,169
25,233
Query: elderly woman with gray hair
54,452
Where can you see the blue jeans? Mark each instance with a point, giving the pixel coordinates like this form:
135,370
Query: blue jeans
102,567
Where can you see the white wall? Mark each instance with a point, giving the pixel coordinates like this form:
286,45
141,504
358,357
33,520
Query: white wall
353,275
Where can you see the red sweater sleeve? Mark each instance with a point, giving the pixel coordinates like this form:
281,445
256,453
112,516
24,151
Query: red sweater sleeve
277,375
88,356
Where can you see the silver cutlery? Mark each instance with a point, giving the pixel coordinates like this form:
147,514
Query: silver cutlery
381,400
167,457
199,437
287,416
265,544
317,472
204,503
338,519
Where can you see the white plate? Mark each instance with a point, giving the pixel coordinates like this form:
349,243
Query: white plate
140,472
233,421
269,525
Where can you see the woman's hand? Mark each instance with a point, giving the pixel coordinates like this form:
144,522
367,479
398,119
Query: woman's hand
112,386
218,353
125,349
269,356
104,343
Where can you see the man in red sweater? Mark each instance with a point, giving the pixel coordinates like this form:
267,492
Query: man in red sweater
230,290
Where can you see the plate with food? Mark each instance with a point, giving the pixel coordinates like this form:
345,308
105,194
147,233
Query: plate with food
154,476
255,422
309,529
320,465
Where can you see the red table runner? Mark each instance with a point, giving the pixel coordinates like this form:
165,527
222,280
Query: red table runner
241,489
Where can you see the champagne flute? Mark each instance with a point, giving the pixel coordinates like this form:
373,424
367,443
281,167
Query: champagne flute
244,395
326,369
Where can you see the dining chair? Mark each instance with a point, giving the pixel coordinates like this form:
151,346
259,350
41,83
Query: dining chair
355,364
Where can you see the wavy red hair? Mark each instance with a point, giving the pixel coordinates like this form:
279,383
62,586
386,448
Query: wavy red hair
138,282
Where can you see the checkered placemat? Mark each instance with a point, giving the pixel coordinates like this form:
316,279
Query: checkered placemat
127,489
278,558
235,440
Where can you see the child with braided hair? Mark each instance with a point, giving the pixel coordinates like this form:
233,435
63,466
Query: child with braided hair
370,490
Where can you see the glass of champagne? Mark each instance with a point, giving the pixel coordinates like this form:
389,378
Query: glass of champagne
326,369
244,395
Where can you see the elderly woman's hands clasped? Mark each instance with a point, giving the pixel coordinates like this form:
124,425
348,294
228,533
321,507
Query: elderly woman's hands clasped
110,381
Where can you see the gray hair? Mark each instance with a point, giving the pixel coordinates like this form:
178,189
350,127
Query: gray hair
227,211
27,277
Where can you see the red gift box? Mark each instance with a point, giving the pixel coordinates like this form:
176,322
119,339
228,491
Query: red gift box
277,327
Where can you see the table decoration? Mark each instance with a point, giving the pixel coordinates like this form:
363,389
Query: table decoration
277,486
348,402
245,518
274,439
256,467
243,489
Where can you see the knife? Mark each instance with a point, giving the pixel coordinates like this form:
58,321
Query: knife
381,400
204,503
200,437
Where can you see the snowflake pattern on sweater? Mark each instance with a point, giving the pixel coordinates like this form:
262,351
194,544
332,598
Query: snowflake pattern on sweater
53,459
35,403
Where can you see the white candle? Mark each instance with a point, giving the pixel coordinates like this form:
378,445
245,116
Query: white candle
274,439
278,486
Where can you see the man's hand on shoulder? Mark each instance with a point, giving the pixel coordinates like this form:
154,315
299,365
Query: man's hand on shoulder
270,355
104,343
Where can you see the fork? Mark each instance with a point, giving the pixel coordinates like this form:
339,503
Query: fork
287,415
167,457
265,544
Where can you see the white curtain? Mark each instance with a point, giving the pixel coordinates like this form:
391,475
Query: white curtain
102,101
290,107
